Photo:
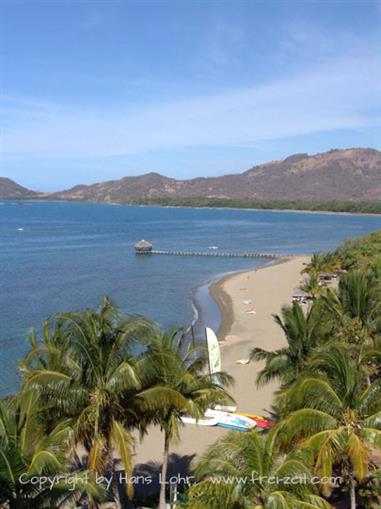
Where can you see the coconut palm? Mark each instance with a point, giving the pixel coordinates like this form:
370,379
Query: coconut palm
321,262
313,285
181,368
358,297
85,370
316,264
370,360
355,313
304,332
370,490
336,416
246,471
28,453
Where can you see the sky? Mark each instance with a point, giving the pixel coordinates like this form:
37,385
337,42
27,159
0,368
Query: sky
94,90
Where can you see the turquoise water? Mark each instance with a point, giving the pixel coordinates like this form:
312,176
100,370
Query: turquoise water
68,255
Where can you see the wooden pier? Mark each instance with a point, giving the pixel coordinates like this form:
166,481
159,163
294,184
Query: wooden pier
268,256
144,247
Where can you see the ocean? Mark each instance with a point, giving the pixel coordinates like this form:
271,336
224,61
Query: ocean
58,256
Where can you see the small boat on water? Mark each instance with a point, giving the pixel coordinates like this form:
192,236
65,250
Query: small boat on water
230,420
205,421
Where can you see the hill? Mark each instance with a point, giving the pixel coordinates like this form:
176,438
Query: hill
9,190
352,175
339,180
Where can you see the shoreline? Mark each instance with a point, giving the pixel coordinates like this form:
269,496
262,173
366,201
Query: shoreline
269,287
201,303
224,300
249,209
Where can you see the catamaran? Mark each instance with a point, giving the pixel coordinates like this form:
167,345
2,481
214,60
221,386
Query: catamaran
215,363
224,416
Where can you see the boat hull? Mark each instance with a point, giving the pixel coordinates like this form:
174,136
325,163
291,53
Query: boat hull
260,421
230,420
225,408
209,421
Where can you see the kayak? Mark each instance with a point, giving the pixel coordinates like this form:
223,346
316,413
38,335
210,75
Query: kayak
231,421
261,421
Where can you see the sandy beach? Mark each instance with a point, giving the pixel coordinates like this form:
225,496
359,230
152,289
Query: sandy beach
265,290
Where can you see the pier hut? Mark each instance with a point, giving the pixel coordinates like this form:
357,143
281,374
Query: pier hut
143,247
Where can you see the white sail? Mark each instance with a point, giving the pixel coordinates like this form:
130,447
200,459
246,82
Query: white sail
214,351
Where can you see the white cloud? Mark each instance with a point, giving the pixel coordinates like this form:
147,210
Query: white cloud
340,94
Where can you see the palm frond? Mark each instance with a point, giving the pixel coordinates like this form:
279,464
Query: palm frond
124,442
358,455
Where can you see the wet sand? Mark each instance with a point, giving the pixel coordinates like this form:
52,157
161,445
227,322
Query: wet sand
268,288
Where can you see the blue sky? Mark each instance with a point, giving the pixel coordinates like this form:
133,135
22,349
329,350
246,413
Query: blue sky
96,90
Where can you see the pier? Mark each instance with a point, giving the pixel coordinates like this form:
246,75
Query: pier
144,247
269,256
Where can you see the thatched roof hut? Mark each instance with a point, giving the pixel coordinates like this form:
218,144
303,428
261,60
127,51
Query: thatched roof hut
143,247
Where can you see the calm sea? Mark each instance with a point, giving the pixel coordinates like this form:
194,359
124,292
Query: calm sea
65,256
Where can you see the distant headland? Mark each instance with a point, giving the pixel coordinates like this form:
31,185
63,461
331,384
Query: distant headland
339,180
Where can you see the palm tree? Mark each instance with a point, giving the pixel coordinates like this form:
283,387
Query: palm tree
313,285
370,490
303,332
316,265
181,368
27,452
336,416
354,311
370,360
358,297
86,371
322,262
245,470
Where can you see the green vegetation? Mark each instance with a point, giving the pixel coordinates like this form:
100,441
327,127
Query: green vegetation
365,207
96,377
256,458
335,416
360,252
194,391
304,332
93,379
328,405
29,449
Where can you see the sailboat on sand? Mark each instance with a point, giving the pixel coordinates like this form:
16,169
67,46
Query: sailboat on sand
223,416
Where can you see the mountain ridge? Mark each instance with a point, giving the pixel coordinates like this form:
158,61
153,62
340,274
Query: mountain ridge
347,175
338,175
